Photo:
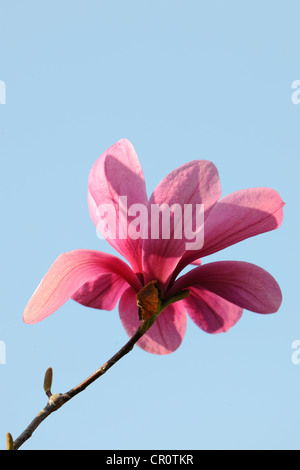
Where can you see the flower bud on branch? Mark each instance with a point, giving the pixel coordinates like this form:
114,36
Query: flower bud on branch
48,381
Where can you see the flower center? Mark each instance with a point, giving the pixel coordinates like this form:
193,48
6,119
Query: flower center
148,300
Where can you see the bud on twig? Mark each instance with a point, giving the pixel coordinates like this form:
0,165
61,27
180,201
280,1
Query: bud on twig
48,381
9,442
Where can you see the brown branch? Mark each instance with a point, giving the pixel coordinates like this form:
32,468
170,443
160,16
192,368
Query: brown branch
57,400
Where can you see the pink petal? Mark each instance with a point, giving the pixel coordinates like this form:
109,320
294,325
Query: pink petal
243,284
238,216
194,183
117,173
103,292
210,312
67,274
197,262
165,335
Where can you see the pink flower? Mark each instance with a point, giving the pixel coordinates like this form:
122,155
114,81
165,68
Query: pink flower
219,291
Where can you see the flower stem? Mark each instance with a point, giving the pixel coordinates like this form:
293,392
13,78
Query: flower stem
57,400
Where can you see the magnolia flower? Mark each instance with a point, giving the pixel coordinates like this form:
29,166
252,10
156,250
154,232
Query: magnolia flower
218,291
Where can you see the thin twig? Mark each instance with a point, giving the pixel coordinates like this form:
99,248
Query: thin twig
57,400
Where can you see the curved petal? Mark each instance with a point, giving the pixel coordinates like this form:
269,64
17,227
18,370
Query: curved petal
243,284
197,262
116,182
67,274
211,313
238,216
194,183
103,292
165,335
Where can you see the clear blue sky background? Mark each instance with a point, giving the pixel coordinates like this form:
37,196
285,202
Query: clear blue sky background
181,81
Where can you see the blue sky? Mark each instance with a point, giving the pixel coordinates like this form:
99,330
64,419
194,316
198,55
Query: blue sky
182,81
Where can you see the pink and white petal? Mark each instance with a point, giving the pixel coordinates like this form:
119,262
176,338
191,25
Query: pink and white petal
194,183
67,274
165,335
197,262
102,292
243,284
211,313
236,217
116,182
